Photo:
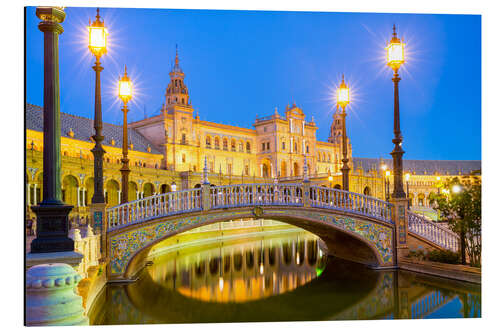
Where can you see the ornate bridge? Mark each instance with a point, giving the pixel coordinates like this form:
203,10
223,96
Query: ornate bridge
354,226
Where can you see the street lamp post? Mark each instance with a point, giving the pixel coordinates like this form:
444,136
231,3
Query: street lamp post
97,45
387,184
330,178
52,214
407,178
395,58
342,101
125,94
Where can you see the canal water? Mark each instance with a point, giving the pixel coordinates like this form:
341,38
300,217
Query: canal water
283,276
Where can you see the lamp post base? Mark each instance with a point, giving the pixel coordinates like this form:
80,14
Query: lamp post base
52,229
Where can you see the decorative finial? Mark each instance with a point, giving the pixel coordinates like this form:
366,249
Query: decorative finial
176,56
97,16
343,78
125,70
276,110
394,31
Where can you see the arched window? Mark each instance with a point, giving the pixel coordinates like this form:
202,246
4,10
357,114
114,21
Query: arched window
216,143
248,147
183,101
233,145
224,144
307,149
183,140
208,141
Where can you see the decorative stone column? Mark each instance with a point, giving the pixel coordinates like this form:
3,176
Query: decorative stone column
306,186
50,296
205,188
400,218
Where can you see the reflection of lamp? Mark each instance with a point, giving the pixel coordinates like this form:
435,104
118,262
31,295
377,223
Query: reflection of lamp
173,186
221,283
261,266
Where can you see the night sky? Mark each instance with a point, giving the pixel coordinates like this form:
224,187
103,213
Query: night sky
240,64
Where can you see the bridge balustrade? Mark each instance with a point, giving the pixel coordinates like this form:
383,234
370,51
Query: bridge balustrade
331,198
154,206
433,232
243,195
256,194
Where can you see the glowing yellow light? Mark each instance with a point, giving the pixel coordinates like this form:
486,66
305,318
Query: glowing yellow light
343,94
330,178
407,177
387,173
221,283
125,87
438,178
395,52
261,268
97,36
384,167
456,188
298,259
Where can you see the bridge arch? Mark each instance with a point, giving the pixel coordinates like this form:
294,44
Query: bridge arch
347,236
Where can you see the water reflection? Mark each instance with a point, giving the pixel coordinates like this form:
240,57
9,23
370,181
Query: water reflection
241,272
277,278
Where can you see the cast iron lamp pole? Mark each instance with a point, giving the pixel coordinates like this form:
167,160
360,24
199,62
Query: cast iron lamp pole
125,94
407,177
343,100
395,58
52,214
387,184
97,45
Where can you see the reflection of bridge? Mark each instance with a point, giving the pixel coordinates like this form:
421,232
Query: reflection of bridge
241,272
354,226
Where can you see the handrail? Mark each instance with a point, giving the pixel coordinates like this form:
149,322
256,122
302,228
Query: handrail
244,195
240,195
433,232
166,204
324,197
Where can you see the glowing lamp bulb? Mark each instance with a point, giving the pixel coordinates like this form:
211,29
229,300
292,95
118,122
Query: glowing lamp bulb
98,35
395,52
387,173
125,87
297,259
343,94
261,268
173,187
330,178
456,188
221,283
407,177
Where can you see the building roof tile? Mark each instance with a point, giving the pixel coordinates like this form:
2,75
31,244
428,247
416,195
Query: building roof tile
83,129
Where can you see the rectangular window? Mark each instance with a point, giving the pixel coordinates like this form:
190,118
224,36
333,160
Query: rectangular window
283,145
263,146
268,146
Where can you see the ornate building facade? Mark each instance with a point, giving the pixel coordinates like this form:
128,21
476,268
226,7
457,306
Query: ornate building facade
167,152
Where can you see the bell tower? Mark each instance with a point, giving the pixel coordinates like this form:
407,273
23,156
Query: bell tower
177,91
336,128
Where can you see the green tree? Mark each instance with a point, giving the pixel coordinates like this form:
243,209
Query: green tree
459,204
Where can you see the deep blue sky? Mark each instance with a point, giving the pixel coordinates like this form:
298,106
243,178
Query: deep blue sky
240,64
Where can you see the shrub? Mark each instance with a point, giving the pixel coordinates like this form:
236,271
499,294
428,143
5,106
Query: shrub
447,257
